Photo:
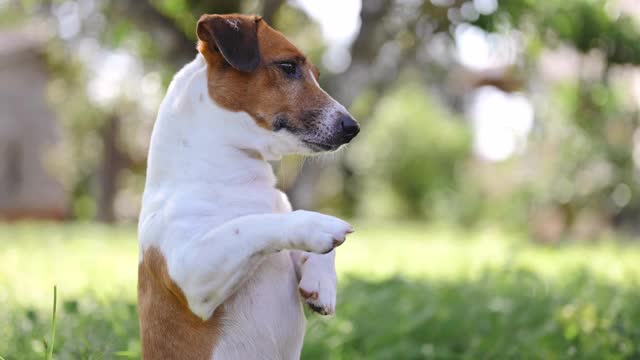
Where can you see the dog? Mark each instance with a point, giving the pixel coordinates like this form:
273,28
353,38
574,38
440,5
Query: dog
225,265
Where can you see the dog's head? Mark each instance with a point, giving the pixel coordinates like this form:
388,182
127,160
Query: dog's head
255,69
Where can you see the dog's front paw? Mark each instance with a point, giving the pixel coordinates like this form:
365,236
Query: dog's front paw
315,232
318,290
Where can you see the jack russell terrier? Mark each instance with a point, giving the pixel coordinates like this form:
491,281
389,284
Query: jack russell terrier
224,262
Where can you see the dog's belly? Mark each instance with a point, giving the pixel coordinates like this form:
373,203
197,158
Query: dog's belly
264,318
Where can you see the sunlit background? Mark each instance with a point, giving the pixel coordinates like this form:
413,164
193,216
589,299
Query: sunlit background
494,184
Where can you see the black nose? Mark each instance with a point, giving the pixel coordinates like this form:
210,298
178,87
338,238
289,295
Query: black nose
350,127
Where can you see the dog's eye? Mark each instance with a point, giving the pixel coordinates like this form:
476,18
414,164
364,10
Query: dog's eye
289,68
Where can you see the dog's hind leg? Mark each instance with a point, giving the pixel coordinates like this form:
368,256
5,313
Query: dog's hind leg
318,281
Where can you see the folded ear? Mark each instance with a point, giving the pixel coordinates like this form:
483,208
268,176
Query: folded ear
235,36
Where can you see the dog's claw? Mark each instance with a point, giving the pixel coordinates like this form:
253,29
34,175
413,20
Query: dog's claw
317,309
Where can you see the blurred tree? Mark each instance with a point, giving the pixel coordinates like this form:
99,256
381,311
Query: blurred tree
160,34
403,64
593,182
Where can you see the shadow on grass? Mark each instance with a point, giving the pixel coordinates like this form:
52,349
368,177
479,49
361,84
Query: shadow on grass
499,314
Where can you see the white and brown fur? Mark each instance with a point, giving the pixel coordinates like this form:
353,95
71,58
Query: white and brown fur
224,262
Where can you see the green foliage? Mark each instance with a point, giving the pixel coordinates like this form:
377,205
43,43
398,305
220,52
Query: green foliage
413,147
408,291
585,24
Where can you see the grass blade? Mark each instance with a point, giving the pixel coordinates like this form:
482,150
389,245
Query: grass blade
53,323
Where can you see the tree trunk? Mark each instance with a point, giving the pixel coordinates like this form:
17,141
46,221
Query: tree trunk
110,167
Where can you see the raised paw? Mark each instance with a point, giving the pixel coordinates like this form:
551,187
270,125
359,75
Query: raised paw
315,232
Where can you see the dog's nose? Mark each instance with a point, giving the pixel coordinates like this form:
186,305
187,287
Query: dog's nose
350,127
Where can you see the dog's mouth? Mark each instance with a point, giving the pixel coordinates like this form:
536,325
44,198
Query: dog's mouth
320,147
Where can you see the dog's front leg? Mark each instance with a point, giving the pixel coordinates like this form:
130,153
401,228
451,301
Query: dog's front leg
209,268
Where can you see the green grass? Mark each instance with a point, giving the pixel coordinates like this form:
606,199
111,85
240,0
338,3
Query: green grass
408,291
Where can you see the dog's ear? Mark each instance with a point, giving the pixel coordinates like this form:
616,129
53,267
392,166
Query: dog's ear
234,36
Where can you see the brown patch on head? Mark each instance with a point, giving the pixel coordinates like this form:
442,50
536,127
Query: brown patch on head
169,330
255,69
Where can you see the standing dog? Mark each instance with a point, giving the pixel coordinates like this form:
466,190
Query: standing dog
224,261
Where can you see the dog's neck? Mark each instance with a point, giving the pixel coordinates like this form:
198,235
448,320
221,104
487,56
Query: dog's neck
197,141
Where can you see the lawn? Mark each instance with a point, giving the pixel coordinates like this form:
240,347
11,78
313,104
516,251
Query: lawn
408,291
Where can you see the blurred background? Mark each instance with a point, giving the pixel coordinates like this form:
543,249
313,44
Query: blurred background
494,184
